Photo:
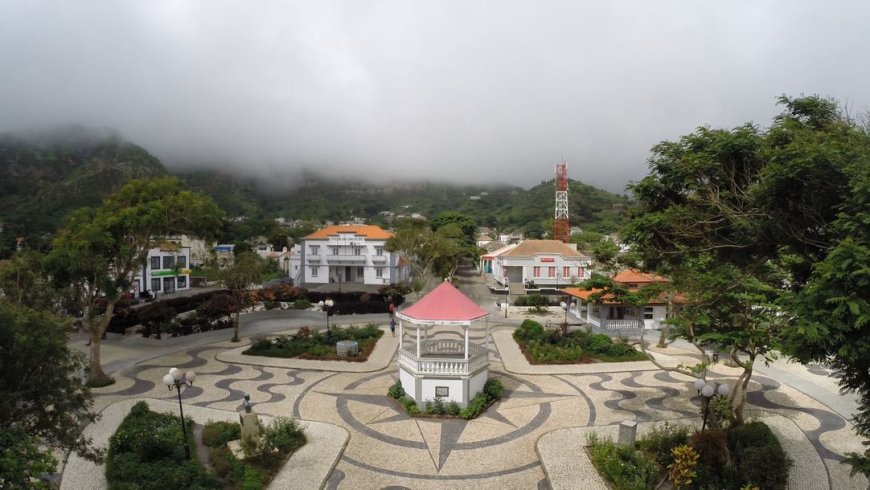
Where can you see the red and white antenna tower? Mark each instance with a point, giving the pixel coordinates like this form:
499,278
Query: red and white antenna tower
561,225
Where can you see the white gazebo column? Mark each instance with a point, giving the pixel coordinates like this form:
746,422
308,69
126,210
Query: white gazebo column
418,341
466,342
401,334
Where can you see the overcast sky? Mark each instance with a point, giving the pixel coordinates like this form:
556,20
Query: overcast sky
461,90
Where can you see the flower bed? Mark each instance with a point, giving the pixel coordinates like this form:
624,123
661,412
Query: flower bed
263,457
146,452
541,346
316,345
743,456
492,391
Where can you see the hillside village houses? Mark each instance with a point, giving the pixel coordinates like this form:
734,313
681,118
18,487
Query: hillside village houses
609,314
546,263
348,255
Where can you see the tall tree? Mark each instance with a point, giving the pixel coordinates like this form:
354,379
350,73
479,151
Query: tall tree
24,280
248,269
98,250
43,402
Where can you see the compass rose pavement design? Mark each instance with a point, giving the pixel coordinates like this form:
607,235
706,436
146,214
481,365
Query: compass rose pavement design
389,449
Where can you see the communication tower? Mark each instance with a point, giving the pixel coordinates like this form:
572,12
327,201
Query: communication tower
561,225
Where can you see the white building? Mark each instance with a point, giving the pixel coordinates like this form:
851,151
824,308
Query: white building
546,263
350,254
606,312
166,271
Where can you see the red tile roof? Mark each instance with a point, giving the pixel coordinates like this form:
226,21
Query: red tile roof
529,248
636,276
369,231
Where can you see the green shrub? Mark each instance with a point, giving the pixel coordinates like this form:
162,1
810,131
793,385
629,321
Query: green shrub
624,467
712,448
662,439
413,409
453,409
219,433
396,391
285,435
253,479
301,304
682,471
758,456
493,389
530,330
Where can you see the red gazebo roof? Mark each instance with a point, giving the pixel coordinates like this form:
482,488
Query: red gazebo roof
444,304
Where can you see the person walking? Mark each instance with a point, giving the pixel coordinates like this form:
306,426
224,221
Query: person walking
393,327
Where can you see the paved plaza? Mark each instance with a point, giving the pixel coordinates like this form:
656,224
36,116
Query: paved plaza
504,448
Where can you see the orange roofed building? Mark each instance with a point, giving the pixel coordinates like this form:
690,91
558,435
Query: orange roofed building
606,313
348,256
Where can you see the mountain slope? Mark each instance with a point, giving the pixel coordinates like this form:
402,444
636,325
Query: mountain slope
42,179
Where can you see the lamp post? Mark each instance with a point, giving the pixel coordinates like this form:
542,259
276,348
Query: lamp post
177,379
708,390
326,305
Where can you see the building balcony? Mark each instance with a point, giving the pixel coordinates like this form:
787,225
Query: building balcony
346,259
313,258
443,357
379,259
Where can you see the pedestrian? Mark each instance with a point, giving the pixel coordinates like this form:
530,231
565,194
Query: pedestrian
393,327
392,310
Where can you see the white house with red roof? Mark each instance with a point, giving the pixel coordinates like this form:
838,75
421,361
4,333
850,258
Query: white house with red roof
604,311
432,362
546,263
350,255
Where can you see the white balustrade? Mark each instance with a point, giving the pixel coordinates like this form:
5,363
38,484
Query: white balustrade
619,324
477,359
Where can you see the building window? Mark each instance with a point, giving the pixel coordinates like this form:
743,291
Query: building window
333,250
551,271
168,261
360,272
536,271
314,271
581,272
632,285
379,250
181,262
566,271
182,282
647,312
379,272
442,391
315,249
155,263
357,250
155,284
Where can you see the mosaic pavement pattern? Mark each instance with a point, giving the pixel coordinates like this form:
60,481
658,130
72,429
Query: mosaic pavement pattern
388,449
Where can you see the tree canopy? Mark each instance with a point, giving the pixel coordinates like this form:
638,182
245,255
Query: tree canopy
776,225
99,249
43,402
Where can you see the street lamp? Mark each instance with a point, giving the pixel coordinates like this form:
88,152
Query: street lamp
708,390
565,306
177,379
326,305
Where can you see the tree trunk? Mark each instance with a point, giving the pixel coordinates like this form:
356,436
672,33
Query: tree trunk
97,376
738,396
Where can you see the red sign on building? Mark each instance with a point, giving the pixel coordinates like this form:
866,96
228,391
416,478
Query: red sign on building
548,259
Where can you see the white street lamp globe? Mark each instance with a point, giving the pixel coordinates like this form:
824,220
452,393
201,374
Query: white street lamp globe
699,384
168,380
708,390
190,376
329,303
320,303
724,389
563,305
174,373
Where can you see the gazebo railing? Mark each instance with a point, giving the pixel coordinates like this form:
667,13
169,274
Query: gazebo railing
447,347
429,364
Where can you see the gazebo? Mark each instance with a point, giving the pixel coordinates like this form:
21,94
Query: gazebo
445,368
